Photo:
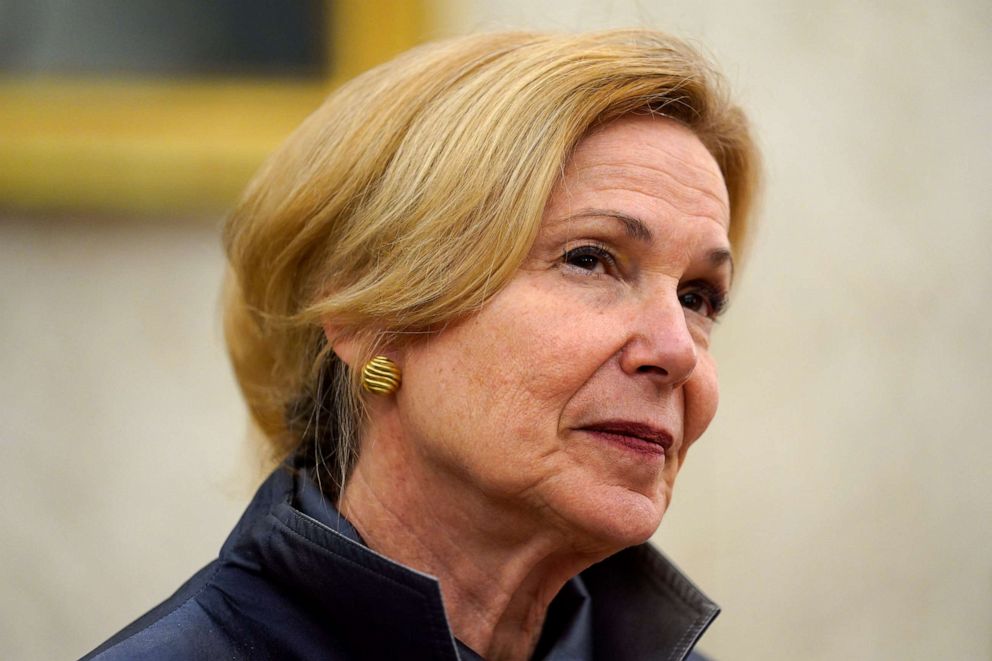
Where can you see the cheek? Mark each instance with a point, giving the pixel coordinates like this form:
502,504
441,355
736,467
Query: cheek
503,379
495,379
538,350
702,394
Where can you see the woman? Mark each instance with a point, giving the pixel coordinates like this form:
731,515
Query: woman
470,304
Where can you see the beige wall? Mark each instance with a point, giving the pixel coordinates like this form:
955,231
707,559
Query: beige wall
121,460
839,507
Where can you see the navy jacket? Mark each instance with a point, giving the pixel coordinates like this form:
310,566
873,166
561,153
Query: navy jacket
288,585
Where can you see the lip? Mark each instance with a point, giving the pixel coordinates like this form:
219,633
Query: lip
637,435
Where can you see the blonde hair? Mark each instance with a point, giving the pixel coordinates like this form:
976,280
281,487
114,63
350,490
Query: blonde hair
414,192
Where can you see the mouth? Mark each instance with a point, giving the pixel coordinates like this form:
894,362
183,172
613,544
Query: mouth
634,435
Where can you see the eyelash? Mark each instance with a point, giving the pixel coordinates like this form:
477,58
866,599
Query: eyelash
590,250
714,297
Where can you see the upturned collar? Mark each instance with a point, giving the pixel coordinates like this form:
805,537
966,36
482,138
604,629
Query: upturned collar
643,607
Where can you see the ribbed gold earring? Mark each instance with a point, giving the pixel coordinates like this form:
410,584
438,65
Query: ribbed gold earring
381,376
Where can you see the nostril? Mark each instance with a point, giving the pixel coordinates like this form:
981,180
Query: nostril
652,369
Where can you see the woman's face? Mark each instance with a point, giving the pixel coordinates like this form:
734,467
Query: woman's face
575,393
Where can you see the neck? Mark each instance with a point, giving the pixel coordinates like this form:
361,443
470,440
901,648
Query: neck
498,568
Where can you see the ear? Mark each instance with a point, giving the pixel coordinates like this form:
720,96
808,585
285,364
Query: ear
344,345
350,347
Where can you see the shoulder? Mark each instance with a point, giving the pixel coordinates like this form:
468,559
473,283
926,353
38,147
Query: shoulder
178,628
259,600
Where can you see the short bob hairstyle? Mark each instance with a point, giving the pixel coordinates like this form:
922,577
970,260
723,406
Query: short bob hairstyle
413,194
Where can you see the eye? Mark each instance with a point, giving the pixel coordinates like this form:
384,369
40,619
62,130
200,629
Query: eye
704,299
591,258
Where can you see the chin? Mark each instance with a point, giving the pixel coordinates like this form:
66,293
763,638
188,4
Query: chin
622,518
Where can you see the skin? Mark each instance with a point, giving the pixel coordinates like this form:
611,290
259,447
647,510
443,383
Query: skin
490,467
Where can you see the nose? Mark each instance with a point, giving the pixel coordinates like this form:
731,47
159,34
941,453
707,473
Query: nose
660,345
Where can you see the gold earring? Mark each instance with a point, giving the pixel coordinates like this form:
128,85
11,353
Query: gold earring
381,376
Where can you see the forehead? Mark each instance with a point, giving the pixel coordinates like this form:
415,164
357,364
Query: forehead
647,161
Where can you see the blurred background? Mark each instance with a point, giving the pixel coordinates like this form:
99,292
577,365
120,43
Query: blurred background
839,507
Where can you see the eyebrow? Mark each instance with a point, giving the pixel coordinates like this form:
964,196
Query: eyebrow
722,256
634,227
637,229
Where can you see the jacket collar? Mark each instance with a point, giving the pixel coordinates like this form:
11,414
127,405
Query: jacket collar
641,604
